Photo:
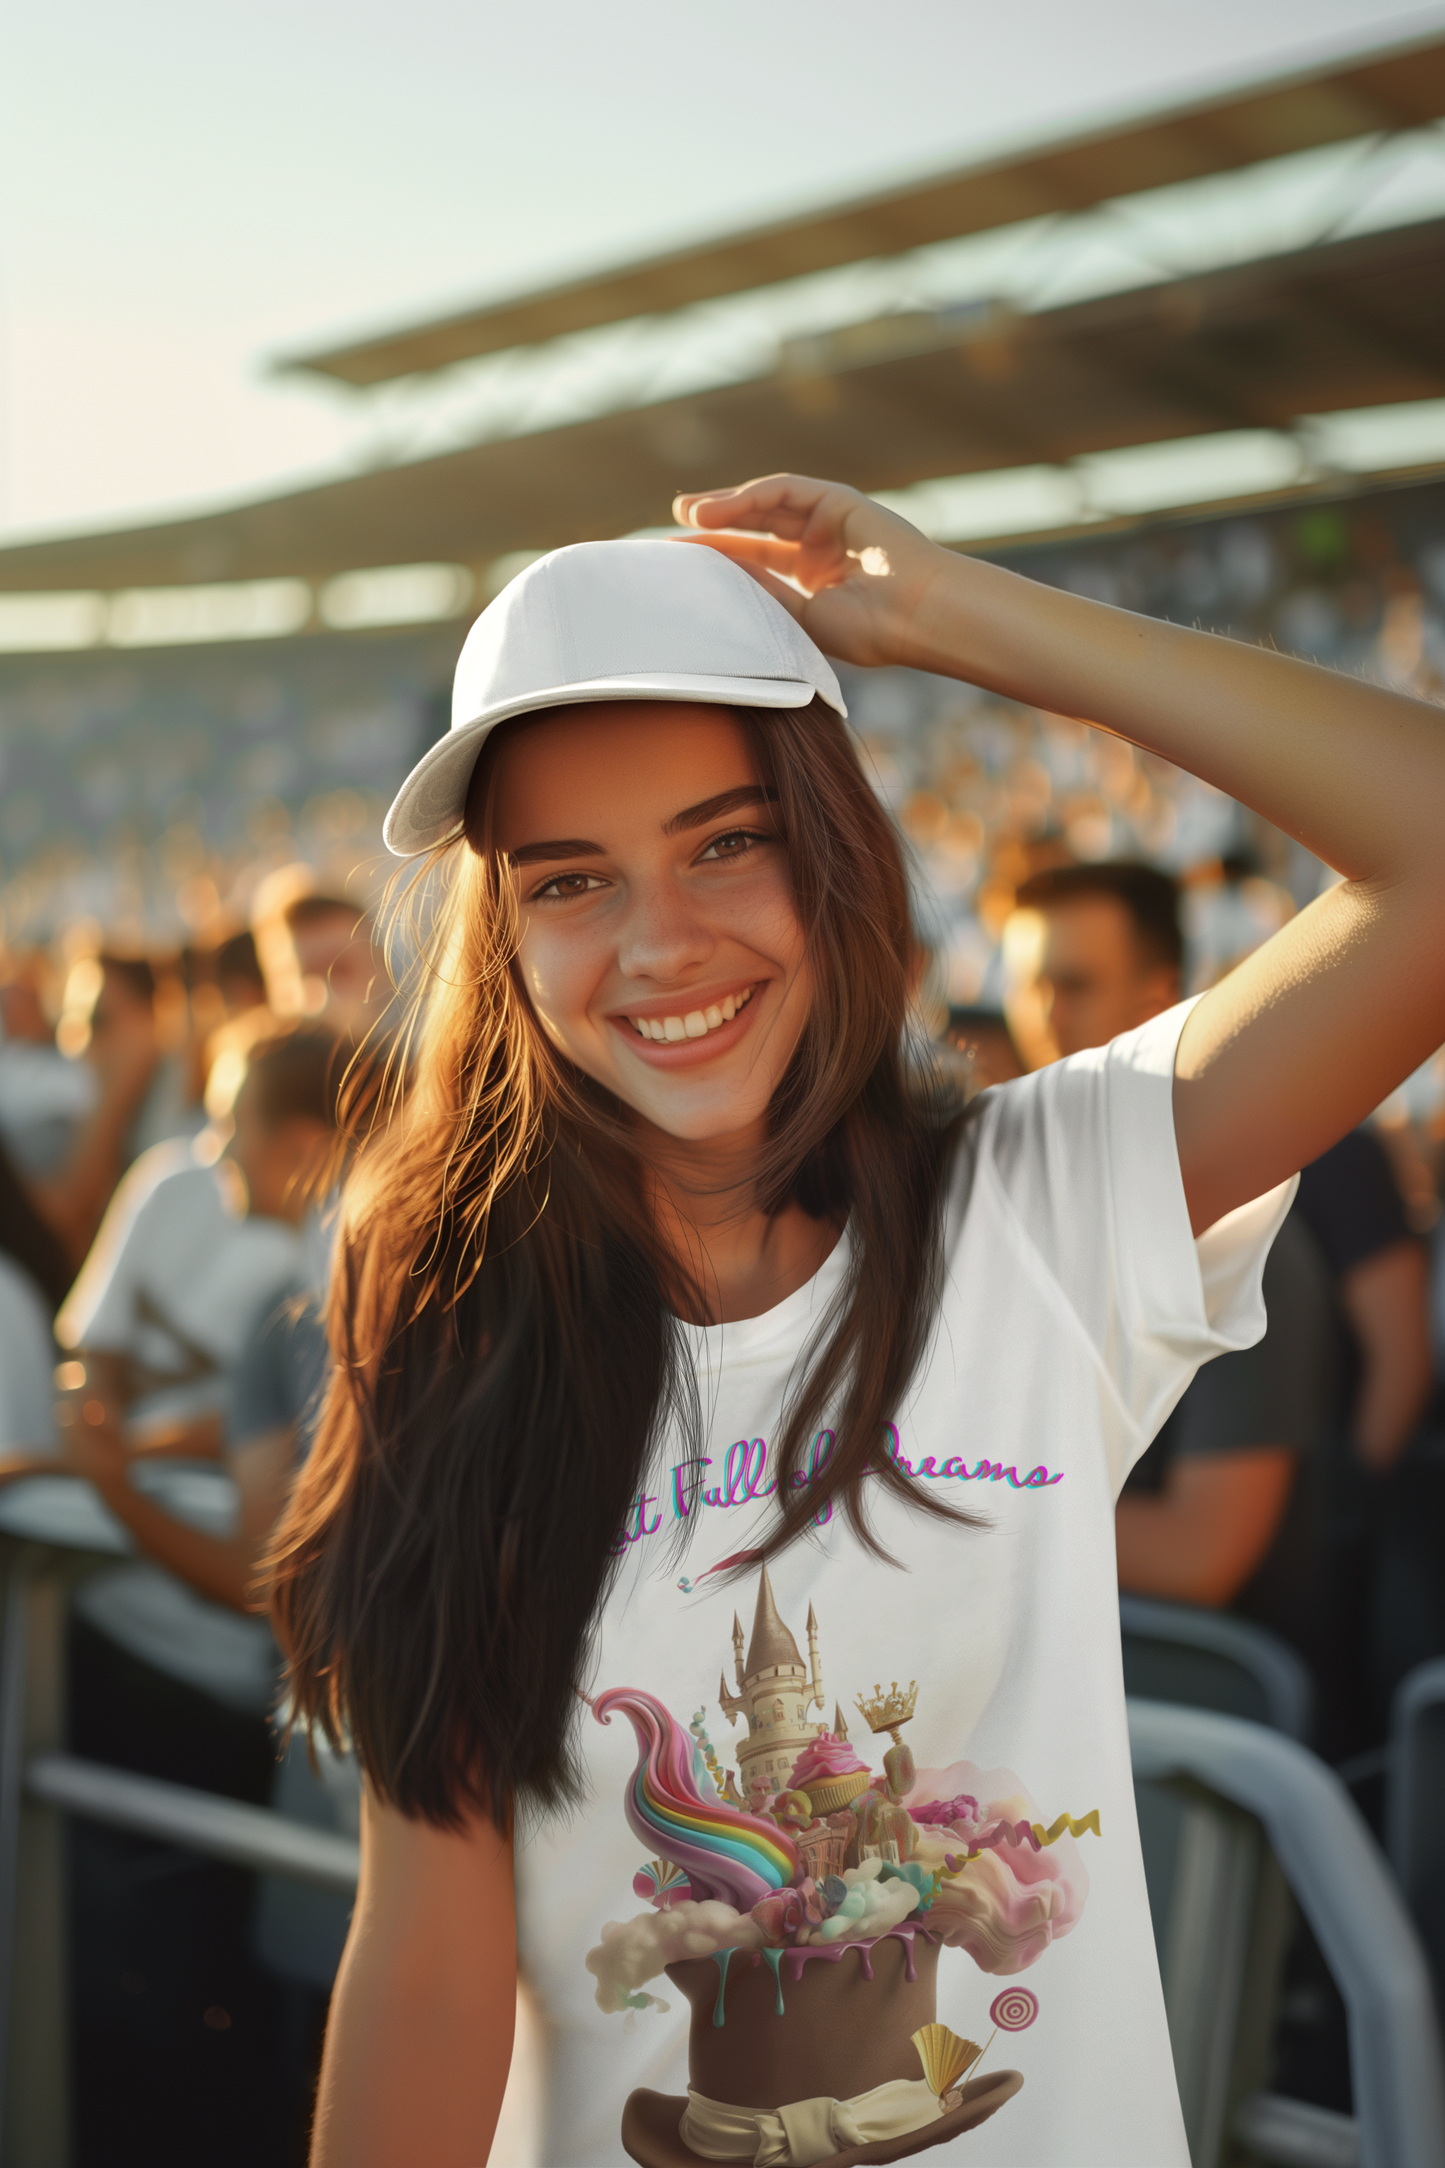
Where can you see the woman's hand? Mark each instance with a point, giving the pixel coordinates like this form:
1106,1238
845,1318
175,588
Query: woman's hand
865,574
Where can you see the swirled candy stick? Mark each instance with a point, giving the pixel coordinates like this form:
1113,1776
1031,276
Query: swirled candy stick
1014,2010
736,1857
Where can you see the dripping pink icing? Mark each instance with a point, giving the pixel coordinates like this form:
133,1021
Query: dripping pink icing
906,1933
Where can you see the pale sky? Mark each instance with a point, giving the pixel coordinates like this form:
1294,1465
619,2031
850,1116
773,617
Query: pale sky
186,191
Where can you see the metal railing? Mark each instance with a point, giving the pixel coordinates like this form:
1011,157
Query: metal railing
200,1821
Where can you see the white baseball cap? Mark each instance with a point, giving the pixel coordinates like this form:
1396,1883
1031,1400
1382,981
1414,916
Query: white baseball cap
608,621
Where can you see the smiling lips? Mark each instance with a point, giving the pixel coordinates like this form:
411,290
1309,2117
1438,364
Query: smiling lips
696,1024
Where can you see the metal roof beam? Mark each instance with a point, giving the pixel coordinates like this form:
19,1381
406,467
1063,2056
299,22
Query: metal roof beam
1401,88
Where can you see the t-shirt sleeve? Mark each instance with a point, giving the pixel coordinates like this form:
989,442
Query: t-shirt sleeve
1086,1153
1275,1393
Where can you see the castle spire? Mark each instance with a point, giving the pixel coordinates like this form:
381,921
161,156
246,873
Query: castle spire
772,1647
815,1664
733,1704
840,1729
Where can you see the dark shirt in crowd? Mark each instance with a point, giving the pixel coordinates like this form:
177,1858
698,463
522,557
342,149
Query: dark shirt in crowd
1275,1394
1350,1201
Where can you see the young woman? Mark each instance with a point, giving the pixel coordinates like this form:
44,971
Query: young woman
666,1295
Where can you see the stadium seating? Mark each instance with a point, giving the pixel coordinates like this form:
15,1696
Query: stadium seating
1233,1816
1209,1660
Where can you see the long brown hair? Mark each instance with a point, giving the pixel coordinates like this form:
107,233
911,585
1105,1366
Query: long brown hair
507,1355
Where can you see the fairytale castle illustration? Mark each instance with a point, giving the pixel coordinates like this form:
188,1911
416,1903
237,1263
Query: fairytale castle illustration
775,1693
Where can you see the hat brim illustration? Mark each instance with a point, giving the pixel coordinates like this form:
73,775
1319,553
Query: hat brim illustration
651,2136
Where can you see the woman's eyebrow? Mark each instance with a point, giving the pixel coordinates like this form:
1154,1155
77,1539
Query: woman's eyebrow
569,847
726,801
693,816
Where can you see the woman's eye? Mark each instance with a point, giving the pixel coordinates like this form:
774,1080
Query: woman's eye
568,884
735,844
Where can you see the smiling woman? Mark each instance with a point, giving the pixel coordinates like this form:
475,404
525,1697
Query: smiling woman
665,1248
668,961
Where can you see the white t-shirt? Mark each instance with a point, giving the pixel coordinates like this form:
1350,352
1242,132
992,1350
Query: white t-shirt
27,1363
43,1100
175,1278
1076,1307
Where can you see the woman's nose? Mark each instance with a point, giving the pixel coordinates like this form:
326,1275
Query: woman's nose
663,936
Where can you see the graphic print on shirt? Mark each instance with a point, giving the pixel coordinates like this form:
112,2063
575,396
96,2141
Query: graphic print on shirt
800,1902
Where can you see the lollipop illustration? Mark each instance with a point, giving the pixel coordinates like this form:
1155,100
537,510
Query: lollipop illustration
1012,2011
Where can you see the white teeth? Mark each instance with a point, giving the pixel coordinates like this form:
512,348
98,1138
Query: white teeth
667,1030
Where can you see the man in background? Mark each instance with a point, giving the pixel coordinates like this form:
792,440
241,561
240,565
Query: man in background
1216,1512
1089,951
318,955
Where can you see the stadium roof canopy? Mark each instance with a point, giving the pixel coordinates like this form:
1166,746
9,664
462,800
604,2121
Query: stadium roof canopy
902,398
1400,89
1351,324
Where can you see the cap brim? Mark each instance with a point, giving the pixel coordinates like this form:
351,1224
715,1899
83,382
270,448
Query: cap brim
428,808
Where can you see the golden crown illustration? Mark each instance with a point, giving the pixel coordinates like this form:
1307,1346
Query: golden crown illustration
885,1712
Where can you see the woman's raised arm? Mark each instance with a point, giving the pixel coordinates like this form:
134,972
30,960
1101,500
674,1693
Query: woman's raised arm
420,2034
1309,1033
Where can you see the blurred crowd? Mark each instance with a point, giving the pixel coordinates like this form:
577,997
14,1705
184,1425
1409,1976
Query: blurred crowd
169,1166
171,1092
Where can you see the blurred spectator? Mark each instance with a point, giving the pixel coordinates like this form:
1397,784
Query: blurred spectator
222,984
1216,1511
167,1674
265,1305
34,1275
1353,1206
1224,1508
318,956
159,1309
112,1000
236,971
1089,951
68,1121
1382,1373
44,1099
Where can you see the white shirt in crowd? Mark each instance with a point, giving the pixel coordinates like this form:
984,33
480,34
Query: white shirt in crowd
1076,1307
44,1098
175,1280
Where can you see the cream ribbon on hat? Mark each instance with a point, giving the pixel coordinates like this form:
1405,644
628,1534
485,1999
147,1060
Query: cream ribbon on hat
807,2130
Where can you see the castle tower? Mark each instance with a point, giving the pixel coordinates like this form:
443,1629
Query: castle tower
775,1692
840,1729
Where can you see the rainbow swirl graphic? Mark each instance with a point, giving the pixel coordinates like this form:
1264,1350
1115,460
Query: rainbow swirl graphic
738,1858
